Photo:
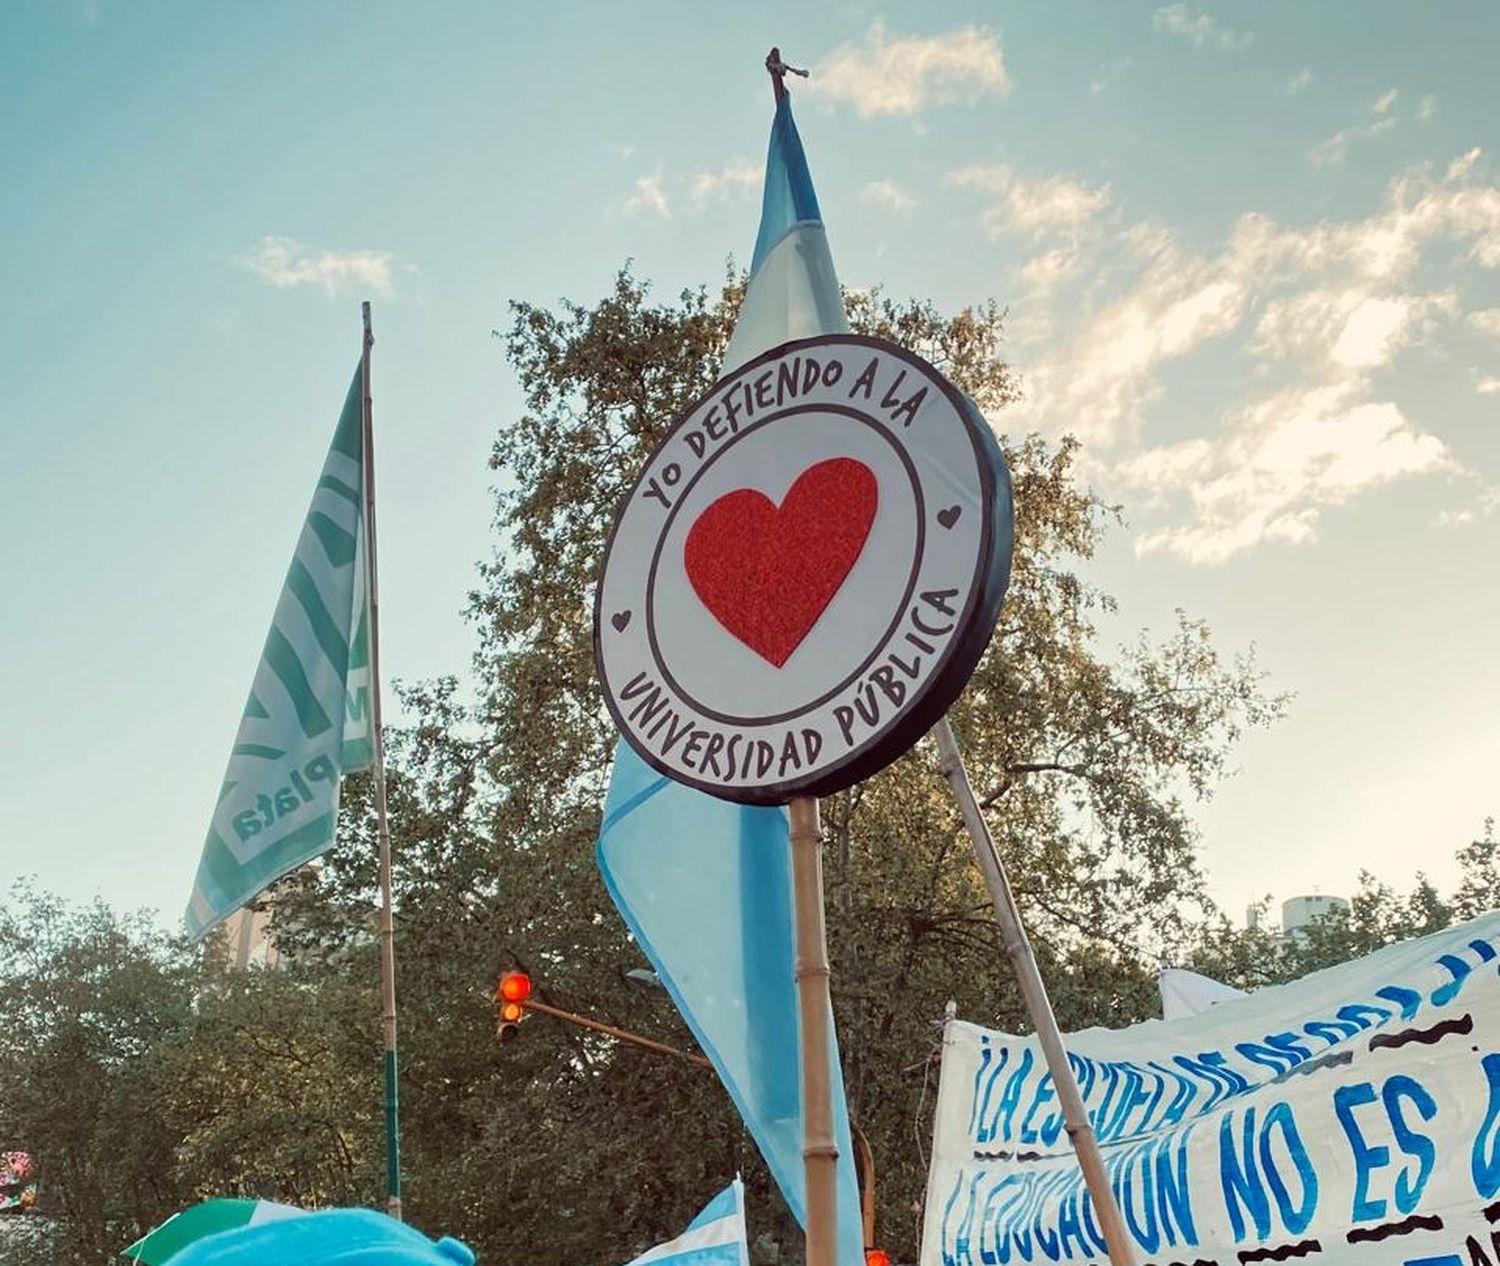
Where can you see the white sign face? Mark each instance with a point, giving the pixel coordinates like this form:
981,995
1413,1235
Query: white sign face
805,573
1350,1118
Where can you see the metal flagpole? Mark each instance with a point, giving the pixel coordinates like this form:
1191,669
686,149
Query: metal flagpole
819,1150
1018,948
382,822
614,1031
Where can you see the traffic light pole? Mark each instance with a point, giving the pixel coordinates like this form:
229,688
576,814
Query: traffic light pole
620,1035
1018,948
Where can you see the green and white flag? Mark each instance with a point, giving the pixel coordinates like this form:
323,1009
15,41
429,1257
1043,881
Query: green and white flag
307,722
194,1223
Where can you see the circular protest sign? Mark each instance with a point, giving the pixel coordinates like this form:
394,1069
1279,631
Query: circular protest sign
805,573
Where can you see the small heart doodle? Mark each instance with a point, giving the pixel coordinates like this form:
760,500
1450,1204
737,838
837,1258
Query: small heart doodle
949,516
620,619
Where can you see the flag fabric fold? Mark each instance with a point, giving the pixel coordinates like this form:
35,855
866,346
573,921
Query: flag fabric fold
793,291
307,722
705,885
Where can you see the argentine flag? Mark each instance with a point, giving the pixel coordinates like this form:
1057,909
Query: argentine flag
705,885
716,1237
307,722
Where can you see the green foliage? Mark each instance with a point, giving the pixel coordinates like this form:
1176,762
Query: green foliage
1480,889
85,996
143,1076
1378,915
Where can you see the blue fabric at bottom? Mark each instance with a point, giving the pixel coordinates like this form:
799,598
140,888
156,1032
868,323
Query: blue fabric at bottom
332,1237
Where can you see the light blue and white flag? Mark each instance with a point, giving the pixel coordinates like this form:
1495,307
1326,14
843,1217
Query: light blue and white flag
705,885
307,722
716,1237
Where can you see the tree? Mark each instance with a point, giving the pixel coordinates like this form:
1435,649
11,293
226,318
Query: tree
1084,762
1377,916
272,1088
85,995
1479,862
142,1075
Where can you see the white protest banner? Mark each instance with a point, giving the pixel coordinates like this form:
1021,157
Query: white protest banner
1352,1116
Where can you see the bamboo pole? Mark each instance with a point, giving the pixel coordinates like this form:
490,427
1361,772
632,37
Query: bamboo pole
1018,948
865,1169
819,1150
382,821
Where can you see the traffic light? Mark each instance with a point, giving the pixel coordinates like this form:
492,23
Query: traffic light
511,993
877,1257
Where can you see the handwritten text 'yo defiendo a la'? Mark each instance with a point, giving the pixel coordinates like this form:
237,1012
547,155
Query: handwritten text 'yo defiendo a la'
883,388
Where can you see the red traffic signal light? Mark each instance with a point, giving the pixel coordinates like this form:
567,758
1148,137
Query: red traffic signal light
877,1257
514,988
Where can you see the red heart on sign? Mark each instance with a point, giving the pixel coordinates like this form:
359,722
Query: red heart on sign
767,573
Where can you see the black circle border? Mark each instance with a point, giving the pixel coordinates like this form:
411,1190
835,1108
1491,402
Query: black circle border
841,410
972,631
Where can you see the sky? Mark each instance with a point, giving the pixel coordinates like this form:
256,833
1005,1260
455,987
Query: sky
1250,256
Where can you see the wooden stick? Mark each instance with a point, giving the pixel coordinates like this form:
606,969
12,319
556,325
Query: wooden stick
1018,948
382,821
865,1168
819,1150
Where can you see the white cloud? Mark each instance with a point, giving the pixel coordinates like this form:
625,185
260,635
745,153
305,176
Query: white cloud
285,263
1333,151
655,194
1281,463
1104,379
648,197
738,176
1045,272
1303,321
1486,321
1107,75
1378,326
902,76
1487,386
1298,82
887,194
1427,109
1462,166
1199,29
1483,506
1030,205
